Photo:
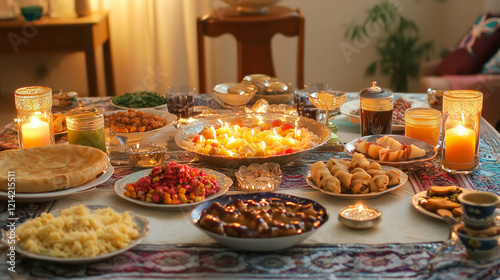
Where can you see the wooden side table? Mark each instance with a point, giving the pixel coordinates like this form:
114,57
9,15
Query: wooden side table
85,34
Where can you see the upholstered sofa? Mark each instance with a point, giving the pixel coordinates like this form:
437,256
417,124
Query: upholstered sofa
488,84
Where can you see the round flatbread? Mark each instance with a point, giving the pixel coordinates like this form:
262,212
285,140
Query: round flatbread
50,168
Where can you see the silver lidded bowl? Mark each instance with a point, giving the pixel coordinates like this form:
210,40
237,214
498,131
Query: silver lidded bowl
313,126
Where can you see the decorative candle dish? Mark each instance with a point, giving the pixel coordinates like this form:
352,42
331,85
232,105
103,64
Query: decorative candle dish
264,177
359,216
146,154
184,138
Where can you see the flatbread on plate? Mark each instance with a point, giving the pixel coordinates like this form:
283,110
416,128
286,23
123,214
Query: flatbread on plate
51,168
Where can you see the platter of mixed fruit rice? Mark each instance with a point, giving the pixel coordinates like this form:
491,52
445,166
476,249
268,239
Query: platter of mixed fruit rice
172,185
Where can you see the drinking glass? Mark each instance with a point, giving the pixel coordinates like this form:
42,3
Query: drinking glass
423,124
303,104
180,100
327,101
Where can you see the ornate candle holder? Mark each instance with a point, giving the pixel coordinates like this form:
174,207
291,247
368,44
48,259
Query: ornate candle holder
34,116
461,117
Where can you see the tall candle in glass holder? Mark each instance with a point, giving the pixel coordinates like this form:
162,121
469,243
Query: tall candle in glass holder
34,116
35,133
461,126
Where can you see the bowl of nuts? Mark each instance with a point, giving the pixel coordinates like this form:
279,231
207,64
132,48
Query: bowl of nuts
138,125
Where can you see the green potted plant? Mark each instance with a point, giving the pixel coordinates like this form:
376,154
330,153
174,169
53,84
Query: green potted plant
400,51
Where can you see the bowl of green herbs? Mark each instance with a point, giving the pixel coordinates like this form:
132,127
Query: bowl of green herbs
139,100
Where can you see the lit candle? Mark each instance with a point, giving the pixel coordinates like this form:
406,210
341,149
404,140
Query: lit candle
358,216
36,133
460,147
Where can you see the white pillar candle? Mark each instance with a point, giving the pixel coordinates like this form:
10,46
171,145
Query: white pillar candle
35,133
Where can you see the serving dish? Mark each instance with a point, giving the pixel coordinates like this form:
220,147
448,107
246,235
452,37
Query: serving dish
45,196
369,195
234,95
430,150
415,199
313,126
350,107
259,177
141,136
257,244
121,185
143,228
161,107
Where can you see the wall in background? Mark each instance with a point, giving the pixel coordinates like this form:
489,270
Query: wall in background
175,61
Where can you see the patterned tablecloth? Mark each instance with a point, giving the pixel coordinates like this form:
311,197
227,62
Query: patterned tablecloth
431,260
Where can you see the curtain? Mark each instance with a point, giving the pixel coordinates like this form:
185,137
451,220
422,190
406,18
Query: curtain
153,42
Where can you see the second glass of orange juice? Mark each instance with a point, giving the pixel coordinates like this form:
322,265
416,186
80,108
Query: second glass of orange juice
423,124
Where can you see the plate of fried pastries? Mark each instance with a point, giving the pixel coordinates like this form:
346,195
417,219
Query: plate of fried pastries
355,178
439,201
393,150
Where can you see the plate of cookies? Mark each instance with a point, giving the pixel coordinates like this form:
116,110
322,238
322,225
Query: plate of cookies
393,150
355,178
439,201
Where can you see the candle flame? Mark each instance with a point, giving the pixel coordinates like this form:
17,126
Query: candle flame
263,145
36,121
361,207
297,132
461,130
215,134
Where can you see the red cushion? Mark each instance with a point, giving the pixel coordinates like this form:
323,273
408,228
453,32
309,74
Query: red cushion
461,62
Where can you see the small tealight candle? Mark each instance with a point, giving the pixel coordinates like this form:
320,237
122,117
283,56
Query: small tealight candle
359,216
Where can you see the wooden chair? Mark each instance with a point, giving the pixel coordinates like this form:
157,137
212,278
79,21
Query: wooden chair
253,34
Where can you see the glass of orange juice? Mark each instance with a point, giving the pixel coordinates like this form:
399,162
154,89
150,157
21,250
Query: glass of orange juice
423,124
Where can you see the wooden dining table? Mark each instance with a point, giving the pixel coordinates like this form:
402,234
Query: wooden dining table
407,244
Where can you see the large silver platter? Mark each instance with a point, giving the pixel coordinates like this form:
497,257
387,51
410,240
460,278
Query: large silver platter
313,126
